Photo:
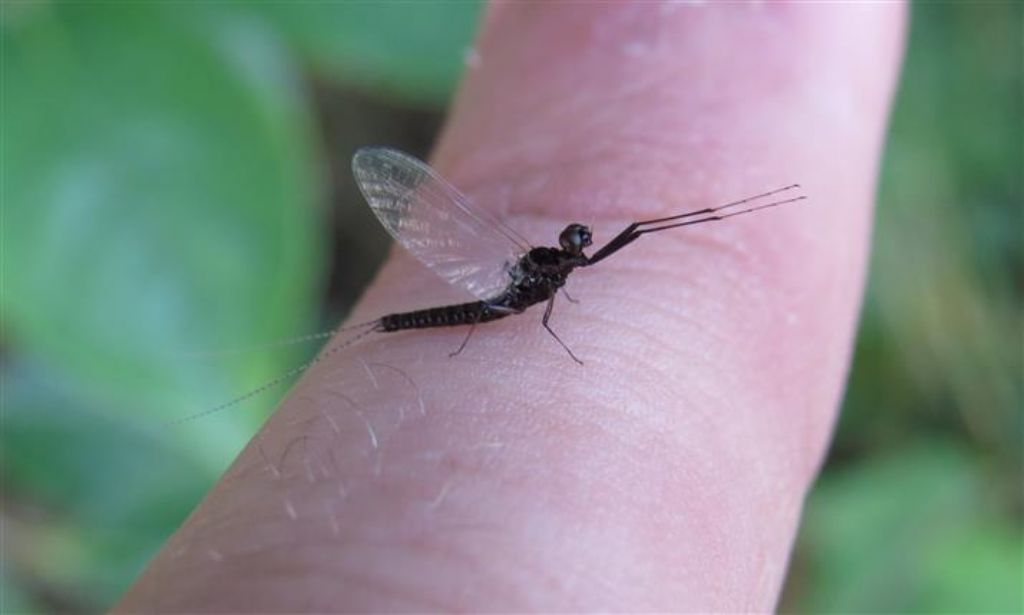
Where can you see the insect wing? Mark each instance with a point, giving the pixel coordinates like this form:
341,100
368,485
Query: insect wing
435,222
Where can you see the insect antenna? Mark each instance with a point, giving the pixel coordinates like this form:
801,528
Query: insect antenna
370,327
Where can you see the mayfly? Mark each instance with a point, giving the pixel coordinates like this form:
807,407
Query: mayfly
478,253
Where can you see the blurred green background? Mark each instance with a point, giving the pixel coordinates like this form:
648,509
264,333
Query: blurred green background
175,179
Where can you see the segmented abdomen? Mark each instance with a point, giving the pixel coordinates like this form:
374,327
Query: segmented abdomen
443,316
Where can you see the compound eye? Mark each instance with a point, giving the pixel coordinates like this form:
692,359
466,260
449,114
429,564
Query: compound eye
574,238
566,239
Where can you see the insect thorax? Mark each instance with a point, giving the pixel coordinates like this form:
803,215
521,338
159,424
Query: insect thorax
542,267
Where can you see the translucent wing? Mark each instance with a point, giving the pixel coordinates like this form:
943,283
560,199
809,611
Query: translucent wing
434,221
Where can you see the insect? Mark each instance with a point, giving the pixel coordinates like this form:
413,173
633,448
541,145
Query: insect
479,253
475,251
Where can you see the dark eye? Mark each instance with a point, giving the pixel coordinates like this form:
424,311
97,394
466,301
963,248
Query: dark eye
574,238
568,239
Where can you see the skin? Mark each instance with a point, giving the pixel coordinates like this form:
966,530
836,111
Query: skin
669,472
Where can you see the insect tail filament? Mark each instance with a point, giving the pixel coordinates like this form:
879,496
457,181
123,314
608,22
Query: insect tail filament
371,327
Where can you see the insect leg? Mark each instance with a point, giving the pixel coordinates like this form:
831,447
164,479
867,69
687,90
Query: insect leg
711,210
544,321
476,320
712,218
627,236
632,232
465,340
569,297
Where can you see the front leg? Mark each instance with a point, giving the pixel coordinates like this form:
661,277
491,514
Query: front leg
627,236
709,214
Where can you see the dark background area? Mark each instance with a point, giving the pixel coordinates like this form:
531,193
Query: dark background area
176,193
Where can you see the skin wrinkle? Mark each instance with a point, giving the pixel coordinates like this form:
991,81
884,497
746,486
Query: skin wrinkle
308,571
528,572
595,101
599,138
572,79
653,311
647,383
265,547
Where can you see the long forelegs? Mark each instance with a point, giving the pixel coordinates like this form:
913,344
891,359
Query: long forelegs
635,230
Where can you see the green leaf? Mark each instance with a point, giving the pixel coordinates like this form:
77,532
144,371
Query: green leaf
413,50
111,493
158,197
79,462
909,532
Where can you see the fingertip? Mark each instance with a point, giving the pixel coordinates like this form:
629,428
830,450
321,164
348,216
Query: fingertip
611,107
